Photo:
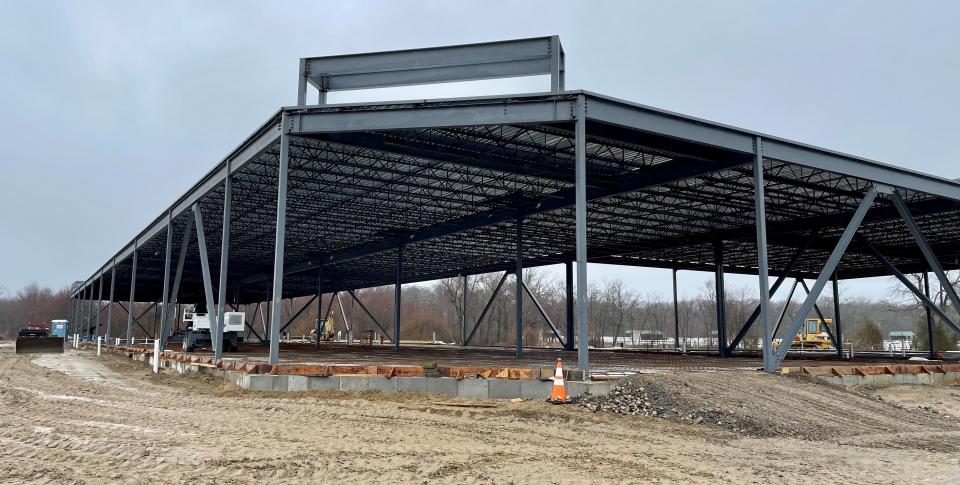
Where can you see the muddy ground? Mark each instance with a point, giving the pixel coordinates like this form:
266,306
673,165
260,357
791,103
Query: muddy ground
76,418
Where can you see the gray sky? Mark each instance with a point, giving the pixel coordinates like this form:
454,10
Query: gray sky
111,109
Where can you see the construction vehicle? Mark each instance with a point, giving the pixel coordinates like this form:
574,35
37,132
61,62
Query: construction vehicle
34,338
326,331
197,334
813,335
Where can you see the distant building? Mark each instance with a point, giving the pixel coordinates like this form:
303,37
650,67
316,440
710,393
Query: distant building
899,340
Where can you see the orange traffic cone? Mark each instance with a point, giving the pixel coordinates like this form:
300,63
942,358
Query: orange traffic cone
559,392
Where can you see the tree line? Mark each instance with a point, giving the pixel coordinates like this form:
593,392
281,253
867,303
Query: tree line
618,315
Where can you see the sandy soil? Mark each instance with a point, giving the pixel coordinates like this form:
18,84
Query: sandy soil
938,399
74,418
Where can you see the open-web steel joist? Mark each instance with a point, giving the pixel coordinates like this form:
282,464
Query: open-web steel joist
371,194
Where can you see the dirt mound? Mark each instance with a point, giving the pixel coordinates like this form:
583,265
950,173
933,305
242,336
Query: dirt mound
761,405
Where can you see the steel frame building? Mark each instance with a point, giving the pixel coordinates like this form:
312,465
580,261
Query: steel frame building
337,197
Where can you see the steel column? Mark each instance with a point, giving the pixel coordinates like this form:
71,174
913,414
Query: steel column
827,270
568,270
96,333
926,293
113,283
773,291
281,237
518,273
175,292
396,300
463,316
836,315
580,140
165,298
224,259
133,289
721,298
763,272
676,313
215,336
319,302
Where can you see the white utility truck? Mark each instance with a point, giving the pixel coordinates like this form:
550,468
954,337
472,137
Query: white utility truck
198,331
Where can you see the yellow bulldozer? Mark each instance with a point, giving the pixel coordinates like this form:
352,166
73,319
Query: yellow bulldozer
813,335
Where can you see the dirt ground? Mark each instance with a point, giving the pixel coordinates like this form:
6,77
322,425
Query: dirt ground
76,418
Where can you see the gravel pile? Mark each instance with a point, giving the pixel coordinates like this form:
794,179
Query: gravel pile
642,395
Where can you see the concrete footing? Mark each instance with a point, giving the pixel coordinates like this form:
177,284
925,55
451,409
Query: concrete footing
469,388
943,379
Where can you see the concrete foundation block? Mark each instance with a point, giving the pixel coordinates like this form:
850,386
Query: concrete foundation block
473,389
297,383
924,379
833,380
354,383
442,385
331,383
850,380
531,389
503,388
382,384
411,384
263,382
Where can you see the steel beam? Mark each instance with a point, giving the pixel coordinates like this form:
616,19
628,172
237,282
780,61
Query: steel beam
690,129
280,240
932,262
298,313
721,295
676,313
396,300
543,313
319,303
773,291
165,298
763,272
486,308
369,314
518,273
836,315
113,283
456,63
583,355
133,289
913,289
828,269
820,313
568,273
930,340
224,260
175,292
96,332
786,305
343,315
215,335
463,315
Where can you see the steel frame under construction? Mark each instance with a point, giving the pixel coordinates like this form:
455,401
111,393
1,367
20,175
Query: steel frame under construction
337,197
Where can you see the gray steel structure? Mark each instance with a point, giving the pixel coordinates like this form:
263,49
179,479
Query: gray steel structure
398,192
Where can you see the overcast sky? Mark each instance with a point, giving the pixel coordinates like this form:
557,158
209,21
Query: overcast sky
110,110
